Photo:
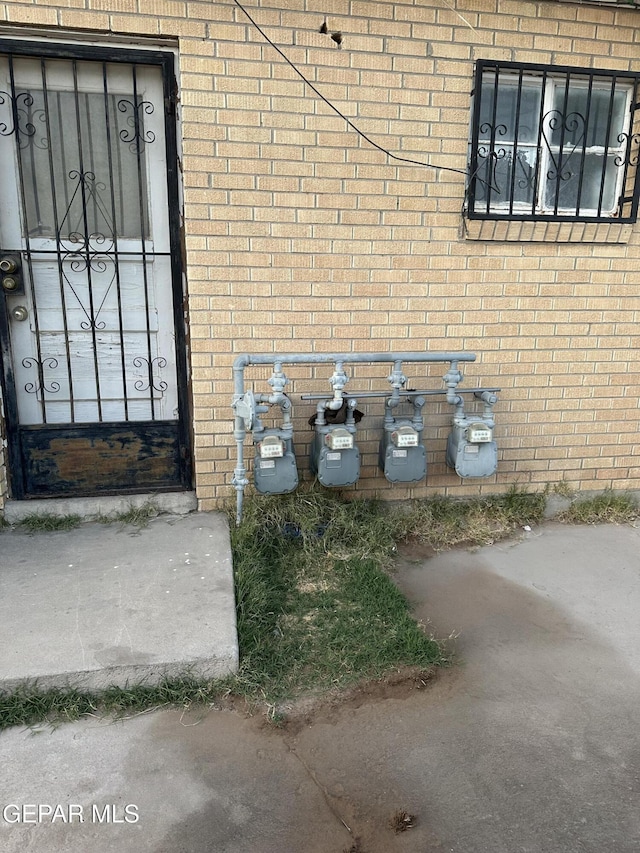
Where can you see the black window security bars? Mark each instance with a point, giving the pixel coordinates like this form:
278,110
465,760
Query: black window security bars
553,143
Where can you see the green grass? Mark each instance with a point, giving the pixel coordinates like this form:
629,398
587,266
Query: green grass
43,522
136,516
445,522
611,507
316,607
30,705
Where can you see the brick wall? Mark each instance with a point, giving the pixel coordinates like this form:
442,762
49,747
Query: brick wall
303,237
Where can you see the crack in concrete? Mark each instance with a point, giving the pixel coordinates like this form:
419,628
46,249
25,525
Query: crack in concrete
328,797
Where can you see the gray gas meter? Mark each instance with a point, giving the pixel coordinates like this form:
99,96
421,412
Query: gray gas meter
335,458
274,467
471,450
402,455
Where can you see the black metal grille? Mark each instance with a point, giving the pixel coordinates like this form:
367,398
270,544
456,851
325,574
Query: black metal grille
553,143
94,380
83,186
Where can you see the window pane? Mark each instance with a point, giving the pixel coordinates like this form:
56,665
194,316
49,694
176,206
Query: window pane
74,148
499,180
568,122
569,184
506,121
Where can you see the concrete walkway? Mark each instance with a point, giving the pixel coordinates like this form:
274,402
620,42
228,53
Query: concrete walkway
531,744
110,604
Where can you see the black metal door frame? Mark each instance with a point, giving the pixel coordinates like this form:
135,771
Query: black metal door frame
18,487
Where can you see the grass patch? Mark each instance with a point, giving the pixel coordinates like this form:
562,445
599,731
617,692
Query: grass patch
136,516
29,705
607,507
316,608
445,522
43,522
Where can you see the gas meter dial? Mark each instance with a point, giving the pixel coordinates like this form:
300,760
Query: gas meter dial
405,436
271,447
339,439
478,433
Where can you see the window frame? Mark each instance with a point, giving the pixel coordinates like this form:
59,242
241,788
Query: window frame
550,80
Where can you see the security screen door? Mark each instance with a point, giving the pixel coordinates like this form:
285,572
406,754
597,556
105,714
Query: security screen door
91,307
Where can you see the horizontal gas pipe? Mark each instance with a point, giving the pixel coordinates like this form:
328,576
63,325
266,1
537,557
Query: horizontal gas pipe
242,361
363,395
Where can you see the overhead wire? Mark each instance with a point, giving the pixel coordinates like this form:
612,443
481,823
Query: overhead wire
335,109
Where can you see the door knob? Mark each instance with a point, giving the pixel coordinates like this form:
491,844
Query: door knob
19,313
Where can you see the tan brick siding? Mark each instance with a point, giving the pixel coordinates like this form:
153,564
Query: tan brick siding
302,237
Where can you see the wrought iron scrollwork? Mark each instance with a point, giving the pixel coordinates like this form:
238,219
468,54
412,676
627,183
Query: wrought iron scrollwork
137,137
528,179
492,156
21,119
560,153
40,385
16,106
158,363
488,129
87,254
631,157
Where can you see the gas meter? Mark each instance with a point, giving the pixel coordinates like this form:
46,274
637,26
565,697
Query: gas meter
274,467
335,458
402,455
471,450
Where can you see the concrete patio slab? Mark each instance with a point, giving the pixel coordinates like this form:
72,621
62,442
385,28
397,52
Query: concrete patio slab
106,604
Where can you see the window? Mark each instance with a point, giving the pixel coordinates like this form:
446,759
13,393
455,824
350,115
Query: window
553,143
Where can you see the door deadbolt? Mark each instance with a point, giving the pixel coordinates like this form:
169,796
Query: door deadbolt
19,313
11,274
8,265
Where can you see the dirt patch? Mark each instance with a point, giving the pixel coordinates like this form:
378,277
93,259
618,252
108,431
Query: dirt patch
293,715
413,550
400,684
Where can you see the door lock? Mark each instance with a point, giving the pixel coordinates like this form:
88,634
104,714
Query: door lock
19,313
8,264
11,274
